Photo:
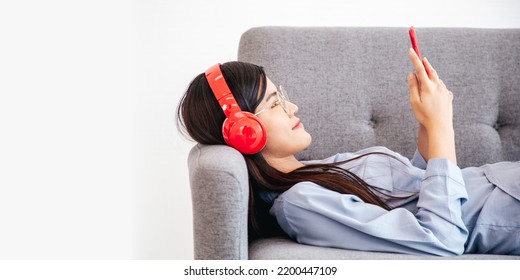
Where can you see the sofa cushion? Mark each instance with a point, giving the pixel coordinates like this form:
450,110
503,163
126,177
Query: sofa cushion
283,248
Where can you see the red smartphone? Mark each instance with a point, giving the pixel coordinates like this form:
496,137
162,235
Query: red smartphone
415,43
415,46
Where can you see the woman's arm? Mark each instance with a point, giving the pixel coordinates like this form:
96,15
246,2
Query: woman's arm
314,215
431,103
422,142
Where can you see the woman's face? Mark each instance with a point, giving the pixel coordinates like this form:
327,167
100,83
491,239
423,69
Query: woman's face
286,135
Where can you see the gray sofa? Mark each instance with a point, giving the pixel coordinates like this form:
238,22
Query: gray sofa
351,88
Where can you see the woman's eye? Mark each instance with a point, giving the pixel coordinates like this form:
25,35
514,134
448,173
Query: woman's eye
276,103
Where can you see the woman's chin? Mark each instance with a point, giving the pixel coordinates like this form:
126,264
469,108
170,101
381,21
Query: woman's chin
308,142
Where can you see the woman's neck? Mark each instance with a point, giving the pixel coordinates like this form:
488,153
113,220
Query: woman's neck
283,164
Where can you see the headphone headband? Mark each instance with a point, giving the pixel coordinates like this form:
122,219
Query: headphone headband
221,90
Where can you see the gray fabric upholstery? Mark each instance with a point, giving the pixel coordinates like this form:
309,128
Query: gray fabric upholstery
220,198
351,89
281,248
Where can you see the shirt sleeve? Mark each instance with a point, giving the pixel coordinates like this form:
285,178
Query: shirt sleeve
418,160
317,216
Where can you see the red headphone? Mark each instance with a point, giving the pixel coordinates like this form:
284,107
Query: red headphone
241,130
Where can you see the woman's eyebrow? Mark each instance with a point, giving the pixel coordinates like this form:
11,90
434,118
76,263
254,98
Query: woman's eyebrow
269,96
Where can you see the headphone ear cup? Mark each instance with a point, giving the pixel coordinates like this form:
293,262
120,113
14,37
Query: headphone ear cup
244,132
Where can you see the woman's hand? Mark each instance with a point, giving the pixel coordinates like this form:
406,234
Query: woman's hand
432,106
430,99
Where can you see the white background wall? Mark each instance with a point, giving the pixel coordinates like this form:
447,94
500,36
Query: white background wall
91,164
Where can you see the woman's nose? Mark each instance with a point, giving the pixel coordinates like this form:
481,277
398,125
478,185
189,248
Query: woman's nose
293,109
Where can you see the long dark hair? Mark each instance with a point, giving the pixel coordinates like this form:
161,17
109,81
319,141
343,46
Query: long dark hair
200,116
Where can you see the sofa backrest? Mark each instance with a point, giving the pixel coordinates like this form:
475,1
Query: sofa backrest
350,84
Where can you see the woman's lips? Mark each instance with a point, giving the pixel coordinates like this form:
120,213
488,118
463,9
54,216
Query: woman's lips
298,125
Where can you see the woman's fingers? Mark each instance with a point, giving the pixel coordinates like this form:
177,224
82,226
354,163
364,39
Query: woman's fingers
427,78
413,84
418,66
424,69
432,74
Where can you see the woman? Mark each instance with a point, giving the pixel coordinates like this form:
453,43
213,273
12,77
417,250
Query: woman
373,199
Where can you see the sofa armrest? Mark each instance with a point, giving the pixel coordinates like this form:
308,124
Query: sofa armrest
219,189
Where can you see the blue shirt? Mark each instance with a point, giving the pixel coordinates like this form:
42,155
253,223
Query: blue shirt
437,208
